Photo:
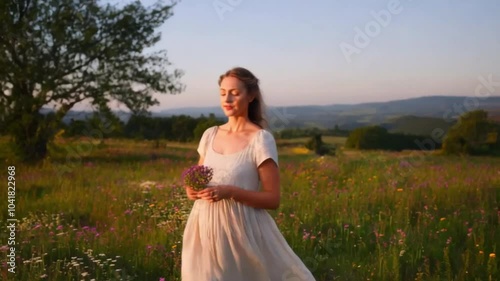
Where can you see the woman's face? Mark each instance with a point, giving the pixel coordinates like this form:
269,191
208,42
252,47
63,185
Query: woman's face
234,98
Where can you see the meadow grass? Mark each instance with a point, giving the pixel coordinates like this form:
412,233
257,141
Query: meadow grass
116,210
338,141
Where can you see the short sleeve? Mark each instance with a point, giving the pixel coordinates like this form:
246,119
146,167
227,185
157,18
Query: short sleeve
265,148
202,145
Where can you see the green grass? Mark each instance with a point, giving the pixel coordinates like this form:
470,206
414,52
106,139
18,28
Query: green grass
299,141
116,211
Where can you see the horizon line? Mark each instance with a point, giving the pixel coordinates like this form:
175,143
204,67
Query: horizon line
298,105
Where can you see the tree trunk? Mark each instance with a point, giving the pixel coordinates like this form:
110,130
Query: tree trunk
30,136
29,128
31,147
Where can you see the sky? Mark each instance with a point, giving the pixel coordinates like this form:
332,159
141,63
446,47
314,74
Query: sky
332,51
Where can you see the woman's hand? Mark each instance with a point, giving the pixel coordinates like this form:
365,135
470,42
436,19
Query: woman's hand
215,193
191,193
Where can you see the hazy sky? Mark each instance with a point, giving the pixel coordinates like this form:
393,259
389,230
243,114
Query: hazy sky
300,49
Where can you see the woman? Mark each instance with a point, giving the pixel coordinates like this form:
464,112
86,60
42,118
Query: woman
229,235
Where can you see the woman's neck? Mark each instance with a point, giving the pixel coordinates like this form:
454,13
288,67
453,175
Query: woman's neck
237,124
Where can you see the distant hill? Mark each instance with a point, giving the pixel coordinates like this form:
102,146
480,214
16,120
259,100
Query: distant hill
417,125
192,111
82,115
433,106
415,115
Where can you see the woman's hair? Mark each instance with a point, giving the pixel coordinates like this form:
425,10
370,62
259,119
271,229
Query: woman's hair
256,108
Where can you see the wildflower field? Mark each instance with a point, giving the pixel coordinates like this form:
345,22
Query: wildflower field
115,210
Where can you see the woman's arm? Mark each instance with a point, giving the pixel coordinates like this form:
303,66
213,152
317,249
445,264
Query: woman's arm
267,198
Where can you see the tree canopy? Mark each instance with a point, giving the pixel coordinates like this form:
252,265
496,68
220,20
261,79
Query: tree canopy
474,133
377,137
61,52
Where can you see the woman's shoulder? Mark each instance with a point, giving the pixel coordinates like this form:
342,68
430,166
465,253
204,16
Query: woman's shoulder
267,134
265,138
208,131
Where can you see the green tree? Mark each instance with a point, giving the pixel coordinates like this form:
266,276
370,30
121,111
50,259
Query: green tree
141,126
62,52
75,128
183,128
370,137
204,124
474,133
317,145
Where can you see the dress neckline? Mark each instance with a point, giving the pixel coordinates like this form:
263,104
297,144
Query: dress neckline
252,139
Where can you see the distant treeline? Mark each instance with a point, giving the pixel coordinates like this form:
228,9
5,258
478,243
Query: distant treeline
309,132
182,128
377,137
474,133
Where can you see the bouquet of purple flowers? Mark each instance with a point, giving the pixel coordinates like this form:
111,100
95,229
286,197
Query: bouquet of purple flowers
197,176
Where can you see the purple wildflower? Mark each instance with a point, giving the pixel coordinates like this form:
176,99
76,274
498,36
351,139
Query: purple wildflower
197,176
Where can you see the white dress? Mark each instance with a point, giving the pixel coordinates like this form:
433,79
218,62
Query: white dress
229,241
